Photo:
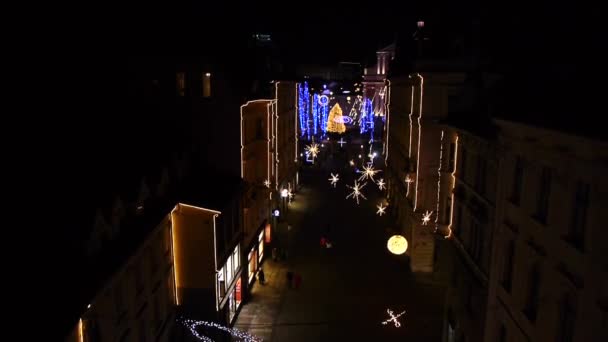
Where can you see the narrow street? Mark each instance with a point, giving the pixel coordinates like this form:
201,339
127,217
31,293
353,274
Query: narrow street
345,290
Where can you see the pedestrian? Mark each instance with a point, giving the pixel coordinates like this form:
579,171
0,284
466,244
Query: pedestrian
261,276
290,279
297,280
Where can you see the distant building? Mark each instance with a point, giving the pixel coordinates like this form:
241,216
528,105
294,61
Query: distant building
374,78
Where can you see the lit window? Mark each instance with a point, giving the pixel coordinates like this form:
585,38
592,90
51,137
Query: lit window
207,84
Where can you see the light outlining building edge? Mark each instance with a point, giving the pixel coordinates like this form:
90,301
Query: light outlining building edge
173,249
276,134
452,192
388,121
419,139
439,181
242,146
215,215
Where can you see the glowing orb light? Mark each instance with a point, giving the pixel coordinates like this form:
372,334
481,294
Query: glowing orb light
323,100
397,244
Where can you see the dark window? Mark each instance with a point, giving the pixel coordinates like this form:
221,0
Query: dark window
531,307
452,157
259,129
518,178
567,319
544,192
579,215
463,163
507,270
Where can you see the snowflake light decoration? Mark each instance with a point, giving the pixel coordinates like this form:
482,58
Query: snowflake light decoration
426,217
381,209
381,184
368,172
356,193
334,179
267,183
312,149
393,318
341,142
192,325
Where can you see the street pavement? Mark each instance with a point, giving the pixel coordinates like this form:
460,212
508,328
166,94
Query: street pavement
346,290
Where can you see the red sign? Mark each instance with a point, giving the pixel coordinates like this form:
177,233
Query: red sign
267,233
238,290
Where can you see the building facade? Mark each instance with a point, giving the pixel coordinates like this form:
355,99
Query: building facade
374,79
548,276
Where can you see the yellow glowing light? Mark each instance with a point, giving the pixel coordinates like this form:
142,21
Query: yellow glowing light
348,98
208,74
397,244
439,181
419,137
453,186
80,331
275,136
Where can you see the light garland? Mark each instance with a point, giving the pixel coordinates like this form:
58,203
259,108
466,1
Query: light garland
381,184
334,179
439,182
368,172
453,186
393,318
193,324
426,217
381,209
315,113
356,193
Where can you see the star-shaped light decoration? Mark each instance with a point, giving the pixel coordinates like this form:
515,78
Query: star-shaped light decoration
267,183
426,217
341,142
393,318
368,172
352,162
334,179
381,184
356,193
312,149
381,209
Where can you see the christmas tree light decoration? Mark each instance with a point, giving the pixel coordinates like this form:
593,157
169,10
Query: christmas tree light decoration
381,209
267,183
315,113
303,107
356,193
397,244
369,172
393,318
192,325
332,125
381,184
334,179
341,142
426,217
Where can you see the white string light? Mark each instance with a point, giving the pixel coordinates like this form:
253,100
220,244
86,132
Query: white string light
381,209
193,324
381,184
356,193
267,183
334,179
426,217
393,318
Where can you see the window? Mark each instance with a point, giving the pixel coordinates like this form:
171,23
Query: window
502,334
181,83
531,307
463,163
507,267
236,258
228,268
480,181
518,177
207,84
579,215
567,319
544,191
452,157
259,129
221,284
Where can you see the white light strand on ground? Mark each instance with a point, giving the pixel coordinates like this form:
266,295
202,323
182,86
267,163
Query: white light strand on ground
381,209
356,193
193,324
393,318
381,184
426,217
334,179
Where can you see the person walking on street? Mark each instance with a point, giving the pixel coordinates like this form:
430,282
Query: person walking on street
261,276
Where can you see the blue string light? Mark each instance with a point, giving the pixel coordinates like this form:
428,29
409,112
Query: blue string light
315,112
